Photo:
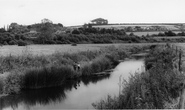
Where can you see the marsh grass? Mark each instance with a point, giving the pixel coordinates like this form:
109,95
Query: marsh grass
97,65
150,89
33,72
48,76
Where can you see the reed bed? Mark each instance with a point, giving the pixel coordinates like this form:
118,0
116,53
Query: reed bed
30,71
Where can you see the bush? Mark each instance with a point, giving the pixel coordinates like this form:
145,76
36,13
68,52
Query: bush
50,42
21,43
74,44
59,42
5,43
12,42
12,83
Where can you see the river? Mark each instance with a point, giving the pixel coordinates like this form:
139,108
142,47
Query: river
74,95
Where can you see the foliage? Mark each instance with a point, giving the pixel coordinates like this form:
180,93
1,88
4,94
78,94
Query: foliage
12,42
47,76
21,43
98,65
12,83
150,89
1,85
33,72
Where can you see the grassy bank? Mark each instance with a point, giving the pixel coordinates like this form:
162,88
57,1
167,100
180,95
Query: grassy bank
33,72
153,89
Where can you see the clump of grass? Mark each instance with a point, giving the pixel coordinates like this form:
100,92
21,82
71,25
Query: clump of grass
97,65
47,76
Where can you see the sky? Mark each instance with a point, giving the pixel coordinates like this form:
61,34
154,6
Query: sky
78,12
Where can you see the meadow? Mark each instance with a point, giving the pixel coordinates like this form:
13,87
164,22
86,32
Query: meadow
122,26
7,50
148,33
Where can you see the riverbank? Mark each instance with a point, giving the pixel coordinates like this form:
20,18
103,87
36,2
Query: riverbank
67,96
34,72
156,88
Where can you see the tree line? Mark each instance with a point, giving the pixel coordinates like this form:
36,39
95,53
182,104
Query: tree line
47,32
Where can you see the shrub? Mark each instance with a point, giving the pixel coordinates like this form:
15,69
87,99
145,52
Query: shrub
21,43
59,42
12,83
5,43
12,42
74,44
50,42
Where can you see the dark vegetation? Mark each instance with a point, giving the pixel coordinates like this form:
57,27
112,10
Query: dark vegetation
34,72
48,33
151,89
168,34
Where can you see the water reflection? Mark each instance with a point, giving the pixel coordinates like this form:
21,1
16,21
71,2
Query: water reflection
94,80
45,96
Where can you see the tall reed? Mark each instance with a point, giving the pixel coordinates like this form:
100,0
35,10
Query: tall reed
47,76
150,89
32,71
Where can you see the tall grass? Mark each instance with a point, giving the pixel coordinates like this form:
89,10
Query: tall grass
97,65
48,76
33,72
1,85
150,89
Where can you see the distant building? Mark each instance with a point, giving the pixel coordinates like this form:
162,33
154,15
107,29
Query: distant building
99,21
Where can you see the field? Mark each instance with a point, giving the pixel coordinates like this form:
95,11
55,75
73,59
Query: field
50,49
122,26
149,33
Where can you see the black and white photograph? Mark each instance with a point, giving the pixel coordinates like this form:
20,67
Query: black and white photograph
92,54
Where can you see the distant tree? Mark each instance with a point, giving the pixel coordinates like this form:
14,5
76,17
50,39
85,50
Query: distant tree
45,20
61,25
21,43
170,33
131,34
46,31
75,31
12,42
2,30
13,25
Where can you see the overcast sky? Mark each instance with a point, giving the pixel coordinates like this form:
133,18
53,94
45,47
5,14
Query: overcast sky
77,12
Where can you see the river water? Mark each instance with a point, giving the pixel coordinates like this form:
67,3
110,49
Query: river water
74,95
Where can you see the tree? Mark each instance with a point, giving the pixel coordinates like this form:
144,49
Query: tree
61,25
45,20
2,30
46,31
